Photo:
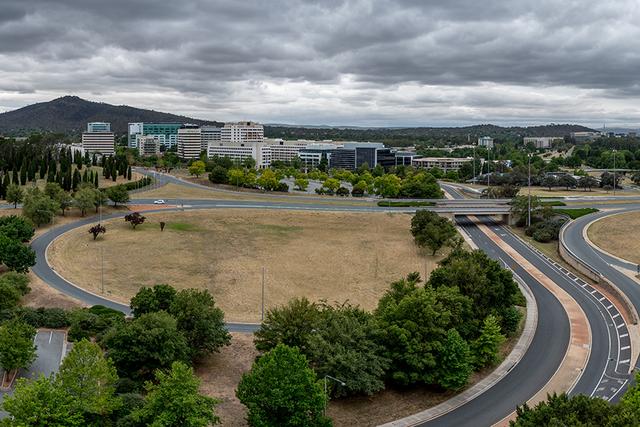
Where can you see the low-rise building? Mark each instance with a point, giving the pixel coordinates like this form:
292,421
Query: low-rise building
581,137
240,132
148,145
444,163
238,152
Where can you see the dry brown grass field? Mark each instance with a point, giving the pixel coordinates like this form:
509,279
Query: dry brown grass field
321,255
619,235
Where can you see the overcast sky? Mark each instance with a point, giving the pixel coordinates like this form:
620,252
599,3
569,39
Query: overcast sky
368,63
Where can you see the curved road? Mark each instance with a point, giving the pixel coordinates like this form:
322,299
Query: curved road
522,382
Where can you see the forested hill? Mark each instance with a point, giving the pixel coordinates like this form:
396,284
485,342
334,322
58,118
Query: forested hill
410,136
70,115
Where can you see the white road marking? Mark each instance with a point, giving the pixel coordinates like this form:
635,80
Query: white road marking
620,325
625,347
624,335
624,361
617,315
50,336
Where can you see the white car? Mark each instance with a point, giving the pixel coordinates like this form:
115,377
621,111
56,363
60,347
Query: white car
159,202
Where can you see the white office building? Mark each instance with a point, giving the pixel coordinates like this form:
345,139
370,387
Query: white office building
98,139
286,151
444,163
542,141
485,141
189,142
259,151
240,132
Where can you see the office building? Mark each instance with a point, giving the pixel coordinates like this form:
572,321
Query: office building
165,133
210,134
485,141
189,142
238,152
98,139
349,155
286,151
148,145
444,163
240,132
542,141
581,137
94,127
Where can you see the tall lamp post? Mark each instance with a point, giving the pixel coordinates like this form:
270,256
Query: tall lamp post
488,166
474,163
614,172
326,397
529,185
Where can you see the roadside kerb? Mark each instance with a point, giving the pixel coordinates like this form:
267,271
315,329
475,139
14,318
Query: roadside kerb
572,259
490,380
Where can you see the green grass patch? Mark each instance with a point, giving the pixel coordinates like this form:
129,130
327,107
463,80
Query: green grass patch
401,204
181,226
553,203
576,213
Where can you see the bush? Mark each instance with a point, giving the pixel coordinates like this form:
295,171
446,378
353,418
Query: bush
18,281
282,187
93,322
17,228
342,192
511,317
546,230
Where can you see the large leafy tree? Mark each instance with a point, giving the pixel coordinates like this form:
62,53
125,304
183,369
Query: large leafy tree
431,230
173,400
15,255
487,346
17,349
41,402
346,345
17,228
9,296
455,362
562,410
201,322
490,287
290,324
85,199
90,378
197,168
281,390
150,300
414,327
118,194
149,342
39,207
14,194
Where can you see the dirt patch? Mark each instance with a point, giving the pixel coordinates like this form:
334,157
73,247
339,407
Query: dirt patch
335,256
43,295
618,235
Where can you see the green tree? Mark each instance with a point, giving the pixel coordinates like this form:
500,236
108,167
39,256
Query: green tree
173,400
84,199
290,325
387,186
486,347
549,181
90,378
236,177
520,208
118,194
39,207
346,345
151,300
331,185
431,230
197,168
39,403
149,342
281,390
201,322
18,281
267,180
218,175
16,227
135,219
9,296
17,349
627,412
15,255
301,184
101,197
588,182
562,410
15,194
455,362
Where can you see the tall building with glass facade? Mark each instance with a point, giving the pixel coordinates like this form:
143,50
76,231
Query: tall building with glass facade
165,133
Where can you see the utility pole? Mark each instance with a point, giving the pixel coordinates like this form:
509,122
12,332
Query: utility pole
488,166
262,315
102,268
474,160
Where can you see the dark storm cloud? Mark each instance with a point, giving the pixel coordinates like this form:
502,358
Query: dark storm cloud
371,59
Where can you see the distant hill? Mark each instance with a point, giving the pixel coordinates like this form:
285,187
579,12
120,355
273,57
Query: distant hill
408,136
71,114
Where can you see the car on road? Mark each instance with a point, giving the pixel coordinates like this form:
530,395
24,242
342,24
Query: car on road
159,202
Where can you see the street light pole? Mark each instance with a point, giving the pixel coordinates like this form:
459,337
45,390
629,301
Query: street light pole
262,315
488,166
529,184
474,162
614,172
326,397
